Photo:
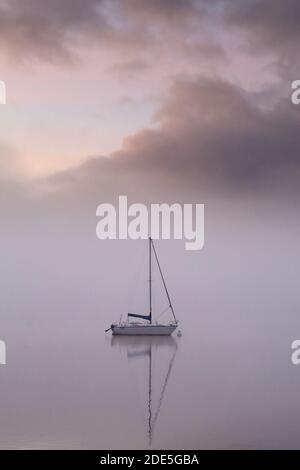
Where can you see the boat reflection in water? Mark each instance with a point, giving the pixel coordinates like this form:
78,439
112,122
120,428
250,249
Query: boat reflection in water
151,349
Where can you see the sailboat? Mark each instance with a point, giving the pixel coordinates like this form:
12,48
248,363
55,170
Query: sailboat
133,327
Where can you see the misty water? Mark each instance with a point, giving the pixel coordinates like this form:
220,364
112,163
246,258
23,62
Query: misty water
227,382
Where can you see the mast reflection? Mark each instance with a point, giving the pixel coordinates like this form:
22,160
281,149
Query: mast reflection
145,346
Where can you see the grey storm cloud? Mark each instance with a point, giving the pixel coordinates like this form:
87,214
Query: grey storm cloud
265,28
163,9
129,68
209,133
271,23
49,29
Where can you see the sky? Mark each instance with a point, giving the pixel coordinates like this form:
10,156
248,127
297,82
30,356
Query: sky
162,101
195,88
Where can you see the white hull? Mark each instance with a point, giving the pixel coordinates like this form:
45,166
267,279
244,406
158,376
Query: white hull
143,330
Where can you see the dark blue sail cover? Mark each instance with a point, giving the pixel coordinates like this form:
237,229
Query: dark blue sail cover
144,317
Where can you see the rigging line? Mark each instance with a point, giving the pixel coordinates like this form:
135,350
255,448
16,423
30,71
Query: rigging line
164,311
165,286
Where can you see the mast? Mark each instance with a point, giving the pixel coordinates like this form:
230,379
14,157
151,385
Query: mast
164,283
150,282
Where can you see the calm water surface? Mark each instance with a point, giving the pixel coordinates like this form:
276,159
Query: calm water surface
76,387
228,382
